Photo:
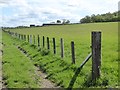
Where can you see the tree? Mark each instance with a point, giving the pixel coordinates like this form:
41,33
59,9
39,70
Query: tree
58,21
108,17
65,21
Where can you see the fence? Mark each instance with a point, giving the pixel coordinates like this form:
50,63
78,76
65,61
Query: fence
95,48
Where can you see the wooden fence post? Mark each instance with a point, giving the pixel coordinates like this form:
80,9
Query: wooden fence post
19,36
62,47
16,35
43,41
48,44
38,41
25,37
73,52
54,46
22,36
34,39
96,55
28,38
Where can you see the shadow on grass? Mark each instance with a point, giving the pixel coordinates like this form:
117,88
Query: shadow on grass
71,84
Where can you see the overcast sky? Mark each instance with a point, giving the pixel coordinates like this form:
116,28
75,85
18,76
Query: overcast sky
26,12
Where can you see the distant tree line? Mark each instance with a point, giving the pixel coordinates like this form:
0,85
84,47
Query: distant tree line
108,17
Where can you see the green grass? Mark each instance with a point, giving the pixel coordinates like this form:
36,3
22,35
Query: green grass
0,38
18,71
61,70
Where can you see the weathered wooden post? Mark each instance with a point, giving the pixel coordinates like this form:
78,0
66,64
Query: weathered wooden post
73,52
38,41
19,36
16,35
43,41
54,46
96,55
22,36
34,39
25,37
62,47
28,38
48,44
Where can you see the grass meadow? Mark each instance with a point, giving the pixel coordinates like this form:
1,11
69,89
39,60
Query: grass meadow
60,70
18,71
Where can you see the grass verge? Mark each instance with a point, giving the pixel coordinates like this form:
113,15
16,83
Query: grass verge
18,71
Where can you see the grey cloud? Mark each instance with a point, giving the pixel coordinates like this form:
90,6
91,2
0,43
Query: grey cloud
5,1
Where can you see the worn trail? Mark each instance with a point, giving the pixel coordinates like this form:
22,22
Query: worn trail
44,83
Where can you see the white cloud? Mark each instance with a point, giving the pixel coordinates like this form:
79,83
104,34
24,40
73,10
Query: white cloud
41,11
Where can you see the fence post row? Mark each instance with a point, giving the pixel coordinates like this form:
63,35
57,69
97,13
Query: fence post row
73,52
96,49
62,47
54,46
48,44
96,55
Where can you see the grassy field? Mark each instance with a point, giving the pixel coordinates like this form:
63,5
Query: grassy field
60,70
18,71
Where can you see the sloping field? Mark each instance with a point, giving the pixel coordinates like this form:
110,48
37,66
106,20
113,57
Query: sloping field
60,70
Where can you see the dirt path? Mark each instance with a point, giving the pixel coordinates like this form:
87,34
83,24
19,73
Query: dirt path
44,83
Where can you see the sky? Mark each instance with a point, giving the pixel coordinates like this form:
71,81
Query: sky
25,12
